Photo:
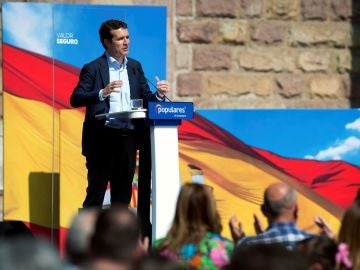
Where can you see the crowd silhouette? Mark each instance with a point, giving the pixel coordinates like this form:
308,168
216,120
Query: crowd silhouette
112,239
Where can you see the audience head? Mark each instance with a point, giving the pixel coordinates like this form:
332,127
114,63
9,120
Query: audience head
28,253
280,203
79,234
195,214
116,237
350,232
265,257
14,228
319,252
157,262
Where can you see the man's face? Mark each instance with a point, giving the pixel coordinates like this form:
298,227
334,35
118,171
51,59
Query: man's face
119,44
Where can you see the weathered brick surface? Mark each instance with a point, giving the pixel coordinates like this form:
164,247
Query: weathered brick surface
282,9
290,85
252,8
317,103
314,9
344,61
205,102
183,57
234,31
316,33
211,8
189,84
341,9
211,57
184,8
235,85
314,60
326,87
266,60
273,32
197,31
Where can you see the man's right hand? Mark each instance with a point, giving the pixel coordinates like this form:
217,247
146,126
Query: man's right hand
258,225
236,229
324,227
112,87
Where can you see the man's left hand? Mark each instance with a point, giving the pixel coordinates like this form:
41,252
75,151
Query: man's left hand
162,87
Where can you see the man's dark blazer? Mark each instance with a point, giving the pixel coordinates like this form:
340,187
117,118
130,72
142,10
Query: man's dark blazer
93,77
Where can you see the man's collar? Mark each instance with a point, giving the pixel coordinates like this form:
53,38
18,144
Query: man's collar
113,61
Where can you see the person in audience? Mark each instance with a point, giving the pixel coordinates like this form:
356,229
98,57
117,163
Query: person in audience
77,253
260,256
319,252
30,253
281,210
349,232
117,241
194,237
14,228
155,261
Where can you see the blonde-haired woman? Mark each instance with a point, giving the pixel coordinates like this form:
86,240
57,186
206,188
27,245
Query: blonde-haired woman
194,238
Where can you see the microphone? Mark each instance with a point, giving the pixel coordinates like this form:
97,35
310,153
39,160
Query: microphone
157,89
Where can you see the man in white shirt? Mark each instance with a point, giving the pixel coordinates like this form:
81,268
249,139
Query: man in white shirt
107,84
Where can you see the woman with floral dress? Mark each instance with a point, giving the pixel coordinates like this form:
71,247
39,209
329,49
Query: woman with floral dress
194,238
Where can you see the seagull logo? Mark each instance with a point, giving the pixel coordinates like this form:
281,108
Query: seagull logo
157,108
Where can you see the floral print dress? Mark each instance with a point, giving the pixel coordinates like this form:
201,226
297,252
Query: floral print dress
212,252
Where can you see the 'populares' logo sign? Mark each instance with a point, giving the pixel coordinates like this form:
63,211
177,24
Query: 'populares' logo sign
165,110
171,110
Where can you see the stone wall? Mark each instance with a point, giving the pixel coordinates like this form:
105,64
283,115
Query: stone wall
266,53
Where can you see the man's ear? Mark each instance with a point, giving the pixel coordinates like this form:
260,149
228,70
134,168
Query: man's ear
107,43
296,211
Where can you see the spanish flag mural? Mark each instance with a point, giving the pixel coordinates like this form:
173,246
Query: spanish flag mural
238,152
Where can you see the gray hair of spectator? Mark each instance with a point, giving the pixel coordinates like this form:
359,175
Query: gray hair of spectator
79,234
275,208
28,253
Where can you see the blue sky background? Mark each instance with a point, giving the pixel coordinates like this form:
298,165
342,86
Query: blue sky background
314,134
34,27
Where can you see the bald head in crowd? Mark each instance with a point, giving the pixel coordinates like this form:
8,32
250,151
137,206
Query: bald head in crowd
280,203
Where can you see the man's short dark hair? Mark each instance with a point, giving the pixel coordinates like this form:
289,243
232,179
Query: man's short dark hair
116,235
107,26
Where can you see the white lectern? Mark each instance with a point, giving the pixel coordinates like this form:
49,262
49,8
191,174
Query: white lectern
163,118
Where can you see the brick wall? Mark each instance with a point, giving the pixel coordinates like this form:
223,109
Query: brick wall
266,53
